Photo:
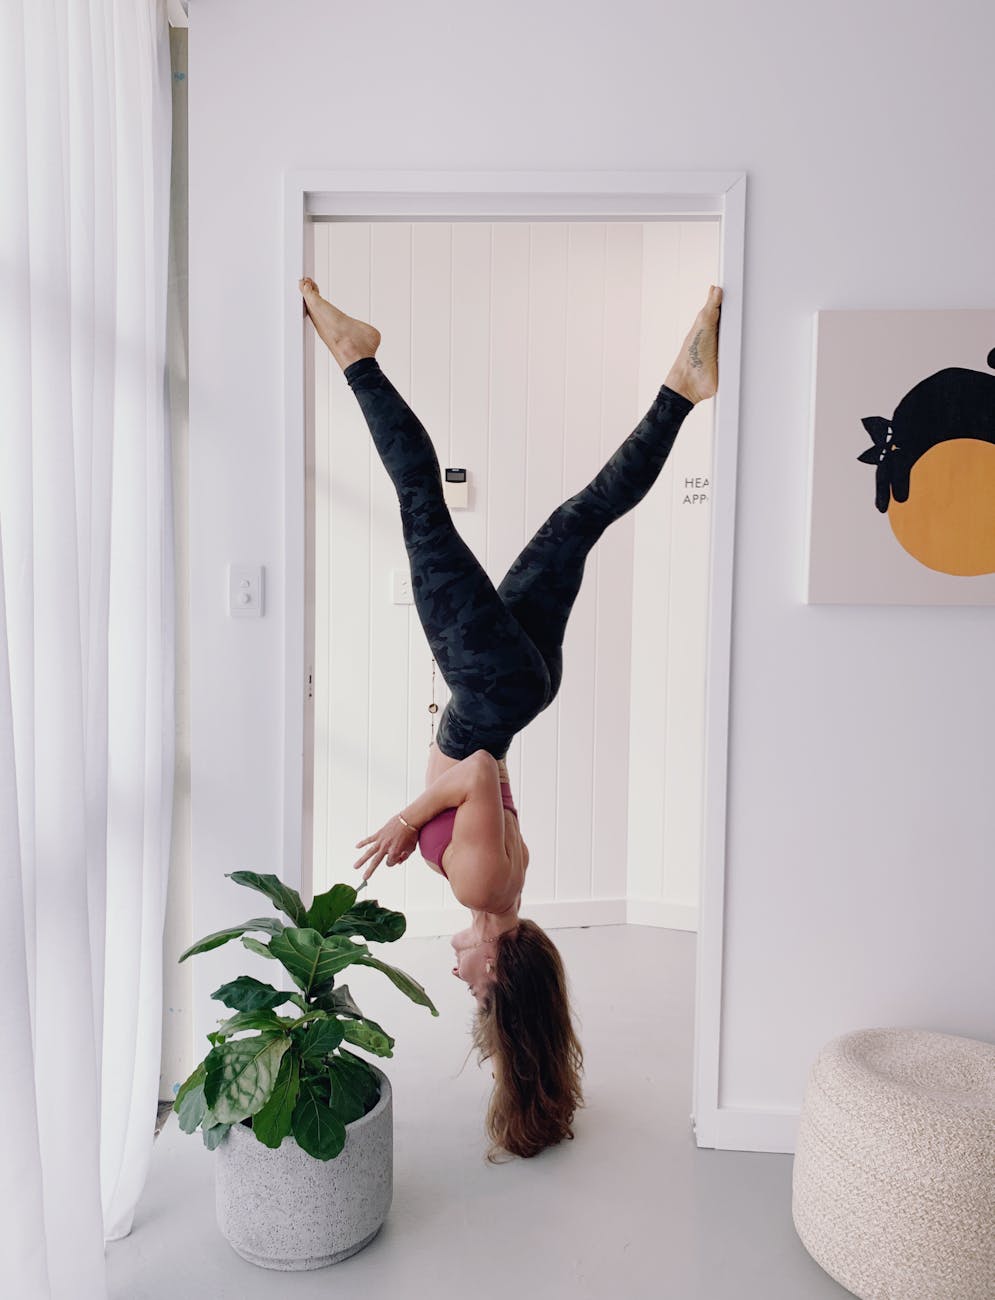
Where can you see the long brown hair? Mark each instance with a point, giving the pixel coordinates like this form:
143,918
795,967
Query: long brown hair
525,1029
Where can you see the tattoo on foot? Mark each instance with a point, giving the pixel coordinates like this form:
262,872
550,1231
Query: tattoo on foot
693,355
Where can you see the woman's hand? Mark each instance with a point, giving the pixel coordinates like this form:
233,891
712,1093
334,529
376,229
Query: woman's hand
393,841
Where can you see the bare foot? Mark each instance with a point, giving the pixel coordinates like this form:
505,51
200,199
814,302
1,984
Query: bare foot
345,337
695,373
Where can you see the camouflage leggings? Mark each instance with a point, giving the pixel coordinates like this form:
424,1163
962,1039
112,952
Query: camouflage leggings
500,650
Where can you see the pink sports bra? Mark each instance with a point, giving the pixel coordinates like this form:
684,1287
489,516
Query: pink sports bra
436,835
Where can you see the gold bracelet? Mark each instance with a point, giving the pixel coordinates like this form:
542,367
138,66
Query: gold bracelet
404,823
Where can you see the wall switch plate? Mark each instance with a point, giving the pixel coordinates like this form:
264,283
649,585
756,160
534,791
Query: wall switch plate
400,587
245,590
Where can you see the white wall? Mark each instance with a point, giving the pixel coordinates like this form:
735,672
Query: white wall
859,887
529,350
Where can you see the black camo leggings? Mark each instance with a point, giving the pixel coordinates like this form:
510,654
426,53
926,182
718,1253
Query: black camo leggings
500,650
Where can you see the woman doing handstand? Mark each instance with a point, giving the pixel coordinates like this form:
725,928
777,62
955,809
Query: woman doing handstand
500,653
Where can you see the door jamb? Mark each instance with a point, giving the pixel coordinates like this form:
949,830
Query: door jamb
534,196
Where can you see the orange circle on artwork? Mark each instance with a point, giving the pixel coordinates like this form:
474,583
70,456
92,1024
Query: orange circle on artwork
948,522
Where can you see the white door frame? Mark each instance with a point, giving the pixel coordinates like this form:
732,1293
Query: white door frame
537,196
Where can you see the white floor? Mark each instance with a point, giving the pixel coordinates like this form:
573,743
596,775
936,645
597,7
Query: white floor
630,1210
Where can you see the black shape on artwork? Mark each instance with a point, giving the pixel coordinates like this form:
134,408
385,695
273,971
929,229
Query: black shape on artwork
953,403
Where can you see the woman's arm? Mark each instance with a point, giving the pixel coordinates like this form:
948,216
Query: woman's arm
452,789
472,786
438,762
477,861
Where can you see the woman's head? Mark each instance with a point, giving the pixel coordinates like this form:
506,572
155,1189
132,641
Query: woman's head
475,963
524,1029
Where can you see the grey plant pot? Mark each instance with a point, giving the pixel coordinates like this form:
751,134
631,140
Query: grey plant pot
281,1208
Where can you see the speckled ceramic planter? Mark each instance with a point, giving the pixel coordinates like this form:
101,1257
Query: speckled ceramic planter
281,1208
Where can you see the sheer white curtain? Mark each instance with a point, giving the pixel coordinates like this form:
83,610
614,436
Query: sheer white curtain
86,627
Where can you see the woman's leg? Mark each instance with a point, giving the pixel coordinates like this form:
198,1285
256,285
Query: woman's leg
542,584
499,676
494,672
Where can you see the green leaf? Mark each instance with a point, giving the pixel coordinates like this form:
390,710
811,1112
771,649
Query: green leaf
348,1095
248,994
265,1019
316,1081
213,1135
313,1013
369,1035
372,922
326,908
317,1129
310,958
321,1038
254,945
337,1000
269,924
189,1083
192,1108
363,1073
404,982
287,900
241,1075
271,1123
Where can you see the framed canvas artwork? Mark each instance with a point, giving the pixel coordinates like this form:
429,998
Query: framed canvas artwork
902,488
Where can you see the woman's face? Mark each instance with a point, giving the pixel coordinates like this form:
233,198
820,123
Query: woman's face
474,962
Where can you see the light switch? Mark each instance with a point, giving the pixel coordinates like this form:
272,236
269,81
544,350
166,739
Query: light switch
400,588
245,590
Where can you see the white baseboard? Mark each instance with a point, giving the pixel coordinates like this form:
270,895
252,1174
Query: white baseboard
565,913
426,922
735,1128
660,912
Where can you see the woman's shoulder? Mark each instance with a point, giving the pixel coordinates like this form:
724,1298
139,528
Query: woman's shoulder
488,877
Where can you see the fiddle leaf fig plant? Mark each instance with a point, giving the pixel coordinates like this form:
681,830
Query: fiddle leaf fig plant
293,1073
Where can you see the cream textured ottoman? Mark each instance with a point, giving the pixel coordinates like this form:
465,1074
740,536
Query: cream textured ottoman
893,1183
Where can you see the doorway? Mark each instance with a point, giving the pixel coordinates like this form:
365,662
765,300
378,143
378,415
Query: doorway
443,359
529,349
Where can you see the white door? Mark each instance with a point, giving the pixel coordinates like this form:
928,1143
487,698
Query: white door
529,350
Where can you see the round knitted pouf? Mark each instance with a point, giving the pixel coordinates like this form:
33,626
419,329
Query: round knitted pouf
893,1182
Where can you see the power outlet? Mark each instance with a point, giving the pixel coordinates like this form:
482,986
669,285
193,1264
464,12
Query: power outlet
400,587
